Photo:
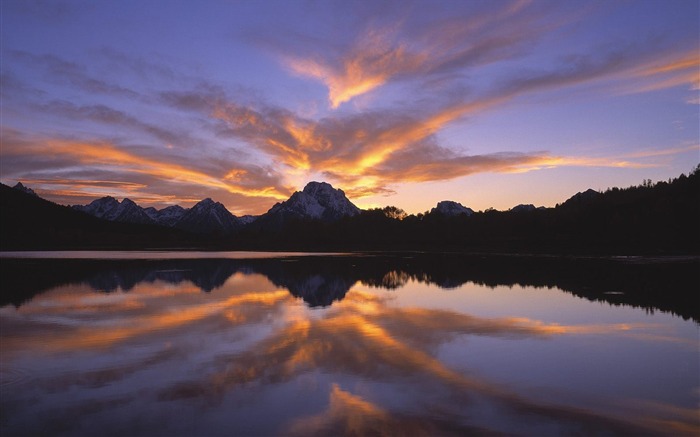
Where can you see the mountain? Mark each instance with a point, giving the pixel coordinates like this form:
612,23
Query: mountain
209,217
100,208
656,218
28,222
523,208
247,219
318,201
206,217
167,216
582,198
24,189
449,208
130,212
111,209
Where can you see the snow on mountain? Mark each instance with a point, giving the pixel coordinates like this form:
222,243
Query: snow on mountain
19,186
208,216
167,216
111,209
247,219
100,208
130,212
205,217
318,200
449,208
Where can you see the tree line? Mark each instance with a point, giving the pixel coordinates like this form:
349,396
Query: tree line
660,218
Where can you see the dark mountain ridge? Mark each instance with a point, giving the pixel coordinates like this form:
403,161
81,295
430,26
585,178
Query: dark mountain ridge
656,218
208,217
28,222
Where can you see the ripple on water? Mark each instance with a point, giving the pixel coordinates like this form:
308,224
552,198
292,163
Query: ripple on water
14,376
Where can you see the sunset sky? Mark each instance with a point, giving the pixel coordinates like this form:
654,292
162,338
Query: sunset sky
488,103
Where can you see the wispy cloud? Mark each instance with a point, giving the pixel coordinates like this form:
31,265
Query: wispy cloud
107,115
191,133
366,153
70,73
666,71
383,52
69,157
369,65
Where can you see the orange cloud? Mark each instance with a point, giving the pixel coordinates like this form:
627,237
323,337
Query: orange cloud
385,52
366,153
109,156
369,64
669,71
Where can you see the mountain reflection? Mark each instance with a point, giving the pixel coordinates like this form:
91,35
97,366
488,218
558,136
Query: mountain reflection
137,348
322,280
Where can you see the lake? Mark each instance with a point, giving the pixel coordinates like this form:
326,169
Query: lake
157,343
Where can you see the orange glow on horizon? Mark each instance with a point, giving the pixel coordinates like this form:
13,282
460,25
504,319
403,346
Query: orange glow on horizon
105,154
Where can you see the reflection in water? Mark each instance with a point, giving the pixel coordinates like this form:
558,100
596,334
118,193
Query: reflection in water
329,346
653,284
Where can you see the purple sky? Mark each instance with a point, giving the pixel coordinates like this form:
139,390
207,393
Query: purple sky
489,103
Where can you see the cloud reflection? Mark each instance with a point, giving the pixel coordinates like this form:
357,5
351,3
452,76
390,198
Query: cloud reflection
249,334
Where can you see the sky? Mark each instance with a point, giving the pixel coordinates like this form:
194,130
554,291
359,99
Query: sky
405,103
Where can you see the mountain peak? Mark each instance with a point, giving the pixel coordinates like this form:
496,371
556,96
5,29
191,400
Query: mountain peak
523,207
206,203
208,216
313,188
21,187
109,208
167,216
582,197
451,209
318,200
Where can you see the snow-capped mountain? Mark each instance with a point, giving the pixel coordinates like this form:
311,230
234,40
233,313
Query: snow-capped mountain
130,212
318,200
205,217
19,186
208,216
100,208
449,208
111,209
167,216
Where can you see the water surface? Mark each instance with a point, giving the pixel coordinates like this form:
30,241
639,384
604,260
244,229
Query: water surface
320,345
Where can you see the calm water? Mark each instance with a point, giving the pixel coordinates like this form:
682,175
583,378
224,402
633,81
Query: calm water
321,345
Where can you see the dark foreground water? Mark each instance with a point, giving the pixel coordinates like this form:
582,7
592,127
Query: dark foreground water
349,345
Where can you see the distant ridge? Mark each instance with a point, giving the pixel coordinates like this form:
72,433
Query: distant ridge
167,216
449,208
24,189
317,201
656,218
208,217
28,222
109,208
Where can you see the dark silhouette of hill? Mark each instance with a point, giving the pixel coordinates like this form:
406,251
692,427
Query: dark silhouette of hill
29,222
656,218
650,218
660,284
